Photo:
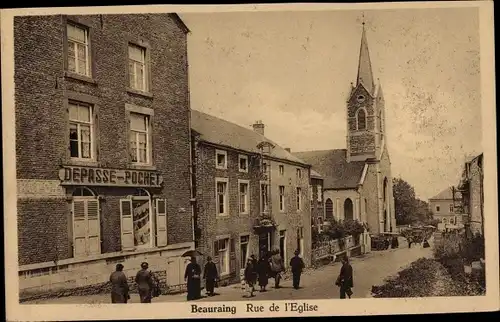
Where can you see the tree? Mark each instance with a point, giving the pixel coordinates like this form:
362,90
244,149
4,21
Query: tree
404,201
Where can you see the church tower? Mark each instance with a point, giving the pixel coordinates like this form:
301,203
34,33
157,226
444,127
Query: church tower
365,111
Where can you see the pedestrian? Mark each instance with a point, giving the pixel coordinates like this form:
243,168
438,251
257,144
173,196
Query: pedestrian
263,270
145,283
297,265
345,280
192,278
119,286
250,277
210,275
255,272
277,267
410,241
394,242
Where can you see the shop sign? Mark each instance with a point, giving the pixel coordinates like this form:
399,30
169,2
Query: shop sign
90,176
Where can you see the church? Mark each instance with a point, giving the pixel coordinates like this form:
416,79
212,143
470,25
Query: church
357,180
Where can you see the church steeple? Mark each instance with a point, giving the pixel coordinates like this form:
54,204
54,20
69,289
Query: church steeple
365,75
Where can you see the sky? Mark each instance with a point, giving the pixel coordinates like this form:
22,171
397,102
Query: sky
293,70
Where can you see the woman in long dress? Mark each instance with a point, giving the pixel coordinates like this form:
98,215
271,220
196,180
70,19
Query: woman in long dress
145,283
119,286
263,270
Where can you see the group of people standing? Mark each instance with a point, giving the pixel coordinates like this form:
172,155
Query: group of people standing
147,285
270,265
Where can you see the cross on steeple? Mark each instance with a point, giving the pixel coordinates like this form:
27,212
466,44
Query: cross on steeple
365,74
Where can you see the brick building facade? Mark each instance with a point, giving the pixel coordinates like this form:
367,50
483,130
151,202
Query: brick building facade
472,195
102,147
246,198
357,180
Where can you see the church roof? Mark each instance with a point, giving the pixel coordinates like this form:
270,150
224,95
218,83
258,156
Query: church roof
365,74
332,164
221,132
446,194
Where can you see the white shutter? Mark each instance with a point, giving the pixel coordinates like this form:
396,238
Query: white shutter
161,222
79,228
127,224
94,227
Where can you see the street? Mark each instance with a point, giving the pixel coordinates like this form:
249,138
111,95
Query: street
370,269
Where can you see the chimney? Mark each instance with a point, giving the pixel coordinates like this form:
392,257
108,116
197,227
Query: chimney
258,127
288,150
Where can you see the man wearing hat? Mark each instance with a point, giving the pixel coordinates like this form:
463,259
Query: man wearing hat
210,275
297,265
119,286
193,280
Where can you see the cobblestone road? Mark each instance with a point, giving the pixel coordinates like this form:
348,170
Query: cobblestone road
371,269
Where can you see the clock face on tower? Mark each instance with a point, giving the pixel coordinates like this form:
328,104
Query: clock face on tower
361,98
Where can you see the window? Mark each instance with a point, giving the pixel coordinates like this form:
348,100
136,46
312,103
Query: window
264,197
221,159
451,208
243,163
452,221
320,194
361,119
437,208
282,170
86,223
244,199
140,148
78,50
137,68
311,194
244,241
142,225
282,198
221,198
80,130
299,198
444,220
223,253
299,174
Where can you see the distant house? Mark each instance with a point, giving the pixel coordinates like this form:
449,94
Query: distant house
471,189
443,209
318,218
251,195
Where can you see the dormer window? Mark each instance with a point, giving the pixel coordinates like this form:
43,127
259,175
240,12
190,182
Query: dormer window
361,120
221,159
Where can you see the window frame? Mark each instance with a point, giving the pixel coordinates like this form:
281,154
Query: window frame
438,208
298,198
281,170
88,49
319,191
140,42
298,173
145,63
226,197
217,153
94,103
240,158
79,123
357,119
262,209
148,113
247,197
282,198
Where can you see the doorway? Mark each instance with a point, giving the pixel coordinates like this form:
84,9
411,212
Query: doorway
264,244
283,245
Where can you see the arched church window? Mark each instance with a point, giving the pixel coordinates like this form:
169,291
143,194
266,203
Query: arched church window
361,119
348,209
86,223
329,209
